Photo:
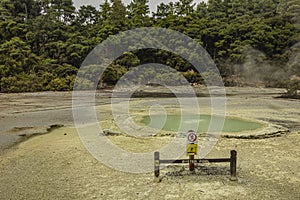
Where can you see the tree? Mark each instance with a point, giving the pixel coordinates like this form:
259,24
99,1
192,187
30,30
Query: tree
165,16
105,10
16,57
62,10
87,15
113,73
216,9
118,14
138,13
184,7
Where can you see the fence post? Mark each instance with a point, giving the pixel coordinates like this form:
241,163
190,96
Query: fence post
156,164
233,154
191,163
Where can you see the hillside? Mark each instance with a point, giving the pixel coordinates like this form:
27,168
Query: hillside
42,44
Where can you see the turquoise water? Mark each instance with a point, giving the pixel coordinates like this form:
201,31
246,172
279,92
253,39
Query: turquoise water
172,123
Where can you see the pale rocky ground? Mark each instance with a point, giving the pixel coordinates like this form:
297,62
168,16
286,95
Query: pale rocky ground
58,166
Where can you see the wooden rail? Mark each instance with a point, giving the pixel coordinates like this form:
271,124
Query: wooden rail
231,160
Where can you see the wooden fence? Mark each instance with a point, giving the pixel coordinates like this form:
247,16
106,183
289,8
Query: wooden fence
191,161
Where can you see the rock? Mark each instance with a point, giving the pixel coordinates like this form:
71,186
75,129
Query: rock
157,179
110,133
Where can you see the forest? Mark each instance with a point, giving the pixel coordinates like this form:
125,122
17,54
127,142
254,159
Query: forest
253,42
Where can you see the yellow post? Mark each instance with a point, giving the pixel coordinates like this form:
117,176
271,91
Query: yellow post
192,148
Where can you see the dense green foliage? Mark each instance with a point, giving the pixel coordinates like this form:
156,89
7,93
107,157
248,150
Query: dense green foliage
44,42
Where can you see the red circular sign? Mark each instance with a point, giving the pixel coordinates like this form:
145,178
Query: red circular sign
192,137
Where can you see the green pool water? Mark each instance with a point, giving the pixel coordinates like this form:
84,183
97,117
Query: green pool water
172,123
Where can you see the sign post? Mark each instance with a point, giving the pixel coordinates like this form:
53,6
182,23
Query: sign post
191,151
192,148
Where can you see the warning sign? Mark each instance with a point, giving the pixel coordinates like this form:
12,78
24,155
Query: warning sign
192,149
192,137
